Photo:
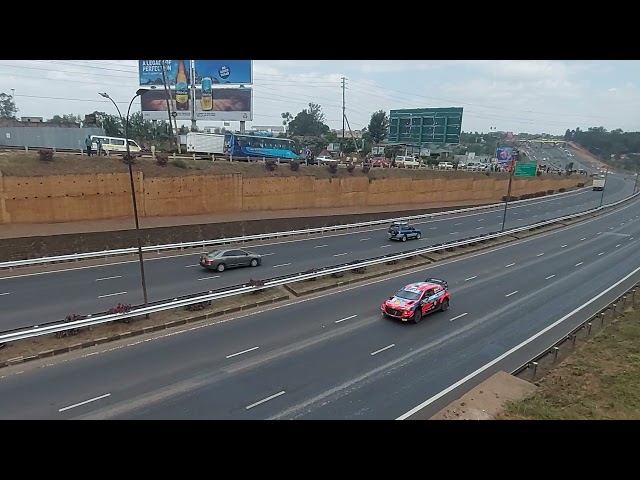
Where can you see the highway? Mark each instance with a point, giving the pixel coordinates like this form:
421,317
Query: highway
333,356
33,299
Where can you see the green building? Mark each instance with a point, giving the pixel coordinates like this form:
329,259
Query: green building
423,126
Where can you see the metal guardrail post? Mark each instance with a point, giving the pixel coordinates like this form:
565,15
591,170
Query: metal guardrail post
601,319
613,310
589,325
555,354
535,369
633,297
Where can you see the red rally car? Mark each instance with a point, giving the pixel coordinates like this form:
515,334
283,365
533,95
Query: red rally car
417,299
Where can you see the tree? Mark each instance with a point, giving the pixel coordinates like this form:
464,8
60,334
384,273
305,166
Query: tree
568,134
309,122
66,118
7,106
286,119
379,126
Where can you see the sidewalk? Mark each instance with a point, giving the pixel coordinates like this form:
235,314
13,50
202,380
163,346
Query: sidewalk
49,229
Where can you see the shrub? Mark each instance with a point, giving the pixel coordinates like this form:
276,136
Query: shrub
72,331
128,159
294,165
351,167
337,274
46,154
198,306
538,173
312,270
550,192
162,159
333,168
256,283
179,163
580,185
366,168
122,308
270,165
562,189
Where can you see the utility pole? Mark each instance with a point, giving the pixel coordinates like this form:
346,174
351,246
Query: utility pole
167,90
344,87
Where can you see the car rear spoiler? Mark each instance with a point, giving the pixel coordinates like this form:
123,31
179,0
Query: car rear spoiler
437,281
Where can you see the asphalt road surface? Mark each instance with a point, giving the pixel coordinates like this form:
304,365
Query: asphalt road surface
33,299
334,356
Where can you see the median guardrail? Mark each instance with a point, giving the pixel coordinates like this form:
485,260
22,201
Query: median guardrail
248,238
225,292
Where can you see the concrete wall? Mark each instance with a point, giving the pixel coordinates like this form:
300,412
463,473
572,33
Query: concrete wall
69,198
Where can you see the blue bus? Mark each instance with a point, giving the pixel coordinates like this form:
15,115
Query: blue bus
258,146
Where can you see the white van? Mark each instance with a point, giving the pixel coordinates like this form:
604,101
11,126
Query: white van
407,161
114,144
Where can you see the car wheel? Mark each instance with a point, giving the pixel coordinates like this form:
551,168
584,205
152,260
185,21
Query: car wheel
221,267
444,305
418,235
254,262
417,316
404,238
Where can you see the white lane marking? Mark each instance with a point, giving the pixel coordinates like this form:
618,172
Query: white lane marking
599,233
527,210
383,349
85,402
340,254
267,254
622,223
550,276
630,238
346,318
479,228
481,219
617,245
470,278
519,219
243,351
320,246
611,228
282,265
108,278
601,253
5,293
512,293
190,266
457,317
112,294
578,264
498,359
563,246
510,265
456,224
454,233
364,239
385,246
264,400
433,228
209,278
540,254
583,239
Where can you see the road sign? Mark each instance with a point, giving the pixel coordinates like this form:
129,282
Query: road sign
526,169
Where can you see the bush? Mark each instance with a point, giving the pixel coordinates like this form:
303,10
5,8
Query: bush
580,185
179,163
72,331
538,173
128,159
562,189
198,306
122,308
46,154
366,168
162,159
351,167
294,165
256,283
312,270
550,192
333,168
270,165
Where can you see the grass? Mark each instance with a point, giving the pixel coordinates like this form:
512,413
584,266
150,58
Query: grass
600,381
28,164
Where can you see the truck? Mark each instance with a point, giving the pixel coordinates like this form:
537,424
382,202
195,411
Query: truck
598,184
212,143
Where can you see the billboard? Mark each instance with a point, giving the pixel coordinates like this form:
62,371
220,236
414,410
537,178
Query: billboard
423,126
239,72
150,71
504,154
218,104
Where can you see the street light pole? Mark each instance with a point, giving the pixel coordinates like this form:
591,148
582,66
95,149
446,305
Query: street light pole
129,161
635,185
506,201
606,173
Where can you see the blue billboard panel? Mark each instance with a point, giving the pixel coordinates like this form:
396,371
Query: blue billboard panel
176,71
504,154
235,72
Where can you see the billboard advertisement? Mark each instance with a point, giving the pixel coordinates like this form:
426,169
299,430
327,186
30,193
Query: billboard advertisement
424,126
504,154
217,104
176,71
238,72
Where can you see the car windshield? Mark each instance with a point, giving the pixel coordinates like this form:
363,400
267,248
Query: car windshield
214,253
409,294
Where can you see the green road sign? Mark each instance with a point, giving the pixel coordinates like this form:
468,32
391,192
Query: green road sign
526,169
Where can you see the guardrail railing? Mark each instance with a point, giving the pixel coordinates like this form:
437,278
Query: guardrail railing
137,311
626,299
248,238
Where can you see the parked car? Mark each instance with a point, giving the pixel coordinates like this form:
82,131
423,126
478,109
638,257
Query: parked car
220,260
380,161
403,231
326,160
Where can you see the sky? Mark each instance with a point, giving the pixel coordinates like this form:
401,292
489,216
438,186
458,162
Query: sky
533,96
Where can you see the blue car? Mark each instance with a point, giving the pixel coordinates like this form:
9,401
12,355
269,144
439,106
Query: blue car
402,231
